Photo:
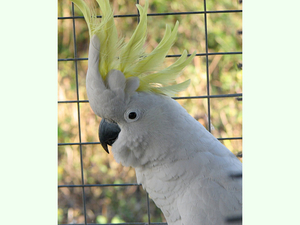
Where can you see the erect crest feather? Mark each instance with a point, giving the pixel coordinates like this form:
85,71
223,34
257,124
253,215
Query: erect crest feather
130,57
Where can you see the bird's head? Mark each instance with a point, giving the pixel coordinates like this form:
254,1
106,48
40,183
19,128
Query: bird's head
125,86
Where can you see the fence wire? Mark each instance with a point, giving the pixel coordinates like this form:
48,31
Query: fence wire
78,102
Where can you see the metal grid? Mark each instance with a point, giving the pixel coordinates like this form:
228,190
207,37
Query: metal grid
208,97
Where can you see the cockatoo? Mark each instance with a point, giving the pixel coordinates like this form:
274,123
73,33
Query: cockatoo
184,168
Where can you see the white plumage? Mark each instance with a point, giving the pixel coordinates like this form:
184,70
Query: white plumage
183,167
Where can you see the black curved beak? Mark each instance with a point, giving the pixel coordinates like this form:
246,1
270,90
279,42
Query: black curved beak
108,133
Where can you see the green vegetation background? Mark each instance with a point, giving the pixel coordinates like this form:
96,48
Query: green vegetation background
129,204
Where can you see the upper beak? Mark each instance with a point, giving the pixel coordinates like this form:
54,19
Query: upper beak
108,133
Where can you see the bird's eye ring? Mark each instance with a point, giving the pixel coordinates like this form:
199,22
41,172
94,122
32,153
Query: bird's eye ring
132,115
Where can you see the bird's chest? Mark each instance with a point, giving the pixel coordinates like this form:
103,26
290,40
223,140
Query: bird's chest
164,188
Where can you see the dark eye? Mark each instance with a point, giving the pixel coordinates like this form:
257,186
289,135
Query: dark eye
132,115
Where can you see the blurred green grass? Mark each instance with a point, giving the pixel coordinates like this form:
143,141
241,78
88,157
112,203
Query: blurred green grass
119,204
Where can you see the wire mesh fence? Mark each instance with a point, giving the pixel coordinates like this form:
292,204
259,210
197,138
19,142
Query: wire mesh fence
93,188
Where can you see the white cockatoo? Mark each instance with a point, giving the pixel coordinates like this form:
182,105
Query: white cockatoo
184,168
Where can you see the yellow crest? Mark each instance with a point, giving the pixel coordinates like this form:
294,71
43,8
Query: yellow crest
130,57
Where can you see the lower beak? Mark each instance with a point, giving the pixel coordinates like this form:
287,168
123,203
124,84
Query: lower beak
108,133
